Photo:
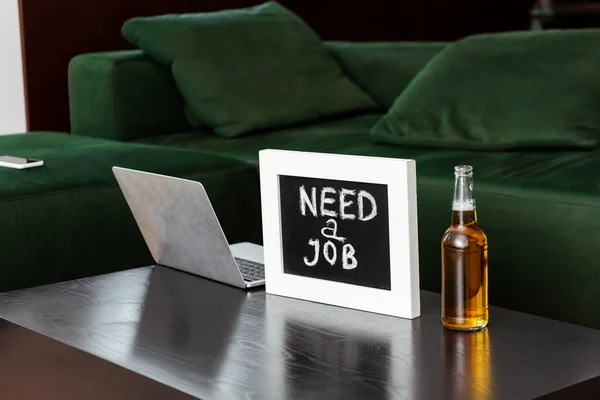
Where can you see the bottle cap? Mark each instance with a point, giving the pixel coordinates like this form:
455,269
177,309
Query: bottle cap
463,170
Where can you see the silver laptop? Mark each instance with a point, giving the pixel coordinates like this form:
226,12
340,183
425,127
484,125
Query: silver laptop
182,231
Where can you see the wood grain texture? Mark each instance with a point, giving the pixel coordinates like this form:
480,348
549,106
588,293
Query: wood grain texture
33,366
589,389
213,341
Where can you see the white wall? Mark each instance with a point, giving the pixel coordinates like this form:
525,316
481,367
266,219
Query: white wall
12,91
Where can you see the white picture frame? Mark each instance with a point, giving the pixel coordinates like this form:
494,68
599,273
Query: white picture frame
399,175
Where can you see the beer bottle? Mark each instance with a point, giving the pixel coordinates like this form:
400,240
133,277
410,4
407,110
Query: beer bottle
464,261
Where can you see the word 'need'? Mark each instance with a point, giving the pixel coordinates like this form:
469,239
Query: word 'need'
351,205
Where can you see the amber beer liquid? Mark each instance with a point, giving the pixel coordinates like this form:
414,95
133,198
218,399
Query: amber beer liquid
464,261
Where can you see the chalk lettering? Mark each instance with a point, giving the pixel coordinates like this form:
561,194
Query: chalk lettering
363,194
331,258
327,200
348,259
344,203
366,212
332,227
305,200
315,244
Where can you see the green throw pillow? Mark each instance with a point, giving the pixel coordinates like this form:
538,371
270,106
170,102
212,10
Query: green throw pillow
503,91
248,69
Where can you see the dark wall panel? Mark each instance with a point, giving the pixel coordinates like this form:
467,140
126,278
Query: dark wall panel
54,31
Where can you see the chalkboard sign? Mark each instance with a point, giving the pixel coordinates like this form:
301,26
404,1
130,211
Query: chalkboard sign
335,230
341,230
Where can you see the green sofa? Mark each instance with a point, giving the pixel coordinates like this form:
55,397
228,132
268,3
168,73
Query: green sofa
68,219
541,210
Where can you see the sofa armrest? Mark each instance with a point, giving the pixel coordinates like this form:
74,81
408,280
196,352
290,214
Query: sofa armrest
123,95
384,69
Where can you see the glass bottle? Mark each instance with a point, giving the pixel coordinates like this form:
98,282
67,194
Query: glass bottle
464,261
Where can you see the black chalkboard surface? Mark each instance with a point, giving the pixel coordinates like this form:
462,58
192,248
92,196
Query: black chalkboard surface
335,230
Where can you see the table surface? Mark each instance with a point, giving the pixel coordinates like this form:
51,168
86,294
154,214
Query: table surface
33,366
213,341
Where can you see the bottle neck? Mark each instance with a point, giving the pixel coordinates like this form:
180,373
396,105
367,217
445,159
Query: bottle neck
463,204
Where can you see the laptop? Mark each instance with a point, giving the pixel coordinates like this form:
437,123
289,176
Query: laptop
182,231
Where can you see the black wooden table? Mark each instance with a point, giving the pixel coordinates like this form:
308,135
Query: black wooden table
161,331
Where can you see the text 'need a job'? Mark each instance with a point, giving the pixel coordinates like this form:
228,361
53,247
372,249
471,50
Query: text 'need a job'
352,205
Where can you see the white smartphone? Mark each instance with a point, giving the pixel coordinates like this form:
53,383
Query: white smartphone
19,163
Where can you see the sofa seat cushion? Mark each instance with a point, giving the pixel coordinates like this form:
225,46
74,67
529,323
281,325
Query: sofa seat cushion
76,163
325,137
541,213
68,219
560,176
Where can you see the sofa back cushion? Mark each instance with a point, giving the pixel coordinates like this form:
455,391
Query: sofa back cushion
503,91
384,69
128,95
249,69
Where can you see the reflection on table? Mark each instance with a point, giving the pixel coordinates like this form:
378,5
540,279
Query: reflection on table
218,342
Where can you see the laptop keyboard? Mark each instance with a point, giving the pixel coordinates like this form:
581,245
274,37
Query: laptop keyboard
251,271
